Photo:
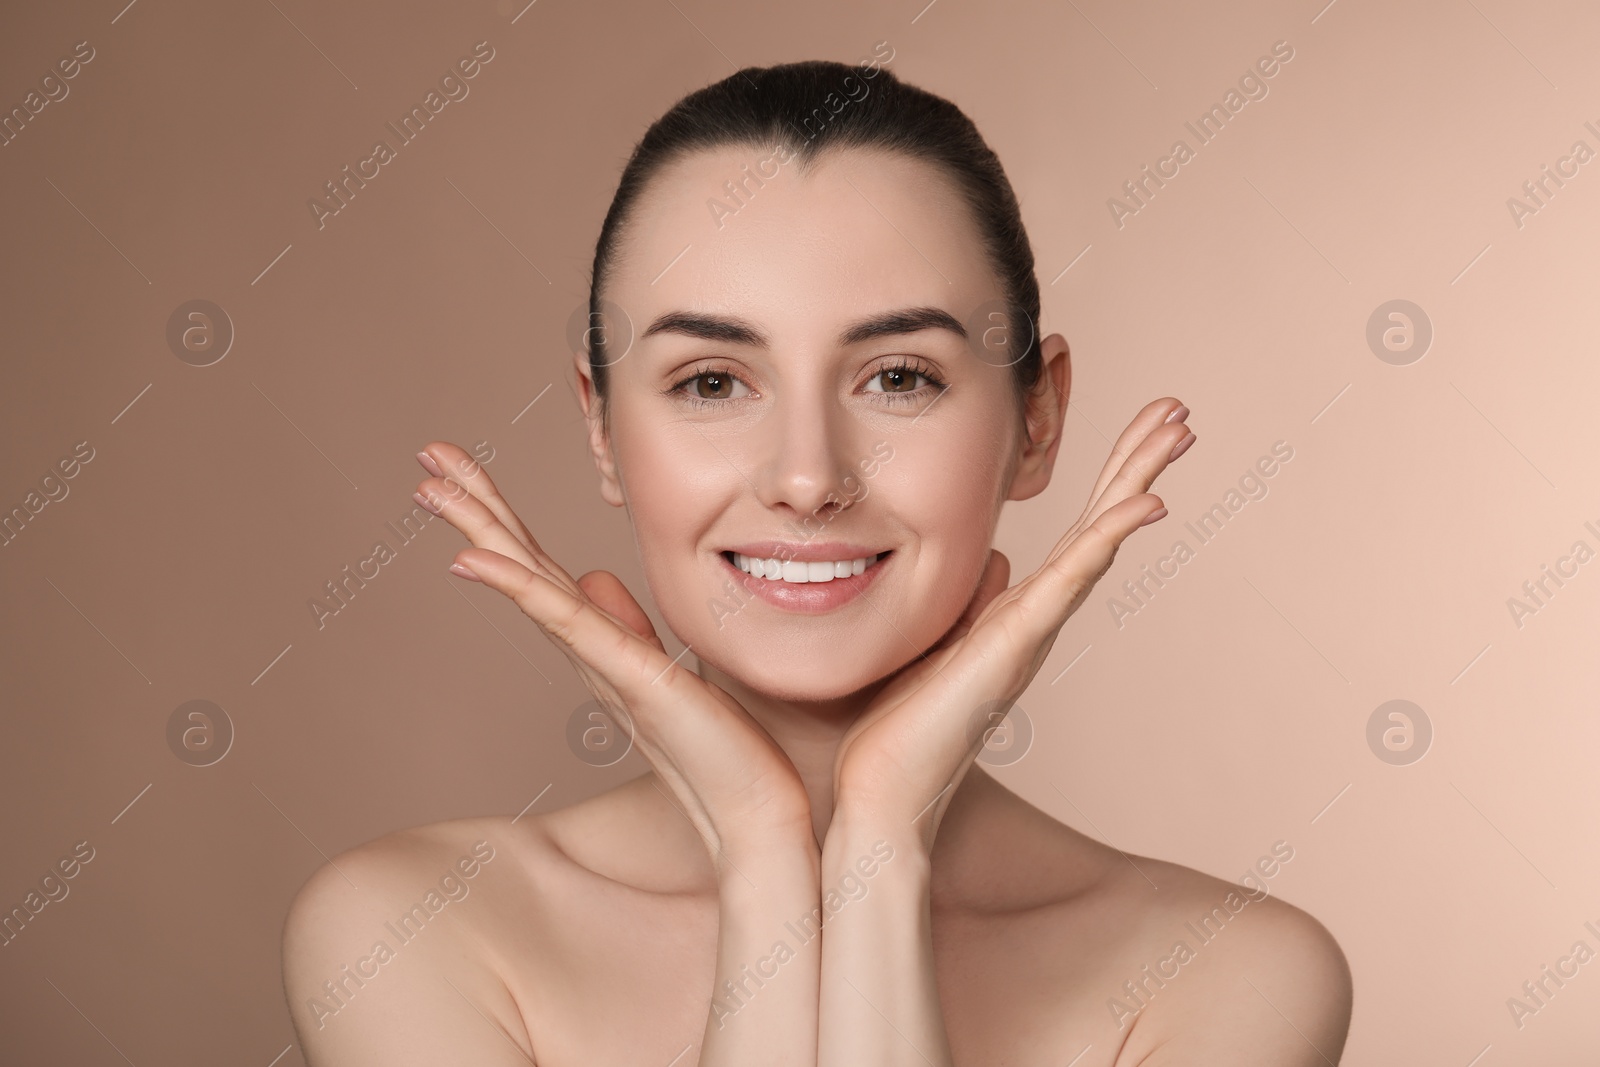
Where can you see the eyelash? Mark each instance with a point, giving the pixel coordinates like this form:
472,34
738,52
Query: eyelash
903,364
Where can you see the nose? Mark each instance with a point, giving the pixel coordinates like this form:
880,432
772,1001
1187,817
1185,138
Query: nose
807,466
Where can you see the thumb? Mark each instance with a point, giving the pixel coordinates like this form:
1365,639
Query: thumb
608,593
996,577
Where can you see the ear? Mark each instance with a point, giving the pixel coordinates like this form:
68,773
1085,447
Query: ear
599,438
1043,419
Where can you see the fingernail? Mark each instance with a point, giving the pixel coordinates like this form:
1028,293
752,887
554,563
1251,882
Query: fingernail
429,465
1181,447
424,502
464,572
1178,413
1153,516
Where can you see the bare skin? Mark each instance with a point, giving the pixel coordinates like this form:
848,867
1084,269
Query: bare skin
665,922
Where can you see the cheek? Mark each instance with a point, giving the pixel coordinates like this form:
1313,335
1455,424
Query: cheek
675,486
947,499
949,489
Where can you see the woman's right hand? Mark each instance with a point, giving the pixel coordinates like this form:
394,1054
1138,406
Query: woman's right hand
732,780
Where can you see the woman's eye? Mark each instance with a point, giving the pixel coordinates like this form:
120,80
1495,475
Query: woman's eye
714,385
897,380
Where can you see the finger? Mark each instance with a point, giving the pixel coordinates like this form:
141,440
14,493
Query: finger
1057,589
456,464
664,702
479,524
582,629
994,581
1137,473
607,590
1151,418
472,517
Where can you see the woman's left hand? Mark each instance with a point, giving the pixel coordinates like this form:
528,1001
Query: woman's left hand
899,763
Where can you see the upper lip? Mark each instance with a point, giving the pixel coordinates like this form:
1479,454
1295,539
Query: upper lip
804,551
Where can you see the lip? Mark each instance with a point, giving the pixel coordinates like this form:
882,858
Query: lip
806,598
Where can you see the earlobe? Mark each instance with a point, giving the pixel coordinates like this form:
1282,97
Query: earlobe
604,460
1044,419
1055,388
599,440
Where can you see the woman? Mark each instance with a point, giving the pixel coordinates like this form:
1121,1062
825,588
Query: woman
833,388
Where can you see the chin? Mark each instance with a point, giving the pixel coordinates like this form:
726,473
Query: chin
801,660
776,680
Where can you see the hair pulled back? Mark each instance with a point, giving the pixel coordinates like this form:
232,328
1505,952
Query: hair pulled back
812,106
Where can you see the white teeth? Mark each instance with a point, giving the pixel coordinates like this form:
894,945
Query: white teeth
797,573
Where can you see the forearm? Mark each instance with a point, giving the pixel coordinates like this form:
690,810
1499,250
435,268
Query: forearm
880,1001
764,1000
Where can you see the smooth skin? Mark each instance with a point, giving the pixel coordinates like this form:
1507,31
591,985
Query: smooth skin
810,761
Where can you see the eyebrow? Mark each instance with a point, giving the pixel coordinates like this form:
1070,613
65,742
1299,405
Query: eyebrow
737,331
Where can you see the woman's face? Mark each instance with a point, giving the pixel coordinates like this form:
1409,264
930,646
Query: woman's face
793,390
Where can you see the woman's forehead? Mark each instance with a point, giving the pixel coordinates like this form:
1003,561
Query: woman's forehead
860,230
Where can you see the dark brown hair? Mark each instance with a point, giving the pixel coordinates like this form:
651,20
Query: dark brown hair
808,107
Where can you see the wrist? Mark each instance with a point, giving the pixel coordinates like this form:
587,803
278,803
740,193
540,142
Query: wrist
875,852
769,869
854,831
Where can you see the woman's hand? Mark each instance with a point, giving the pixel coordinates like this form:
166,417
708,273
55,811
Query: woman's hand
729,776
898,764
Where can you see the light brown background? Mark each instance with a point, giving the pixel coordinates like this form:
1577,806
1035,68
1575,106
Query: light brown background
1224,717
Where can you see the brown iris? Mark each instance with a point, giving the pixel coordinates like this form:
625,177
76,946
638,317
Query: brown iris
720,384
904,381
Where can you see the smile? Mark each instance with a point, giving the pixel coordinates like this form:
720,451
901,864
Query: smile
798,572
831,576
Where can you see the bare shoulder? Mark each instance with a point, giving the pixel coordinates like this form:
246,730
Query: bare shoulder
433,865
379,945
1226,971
1153,963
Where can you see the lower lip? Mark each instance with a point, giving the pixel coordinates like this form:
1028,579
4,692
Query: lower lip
807,598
